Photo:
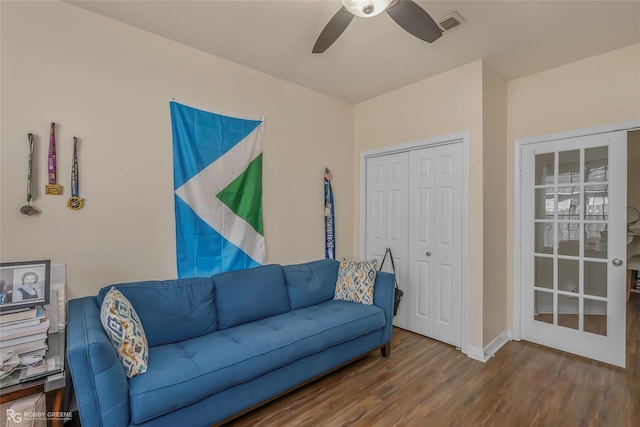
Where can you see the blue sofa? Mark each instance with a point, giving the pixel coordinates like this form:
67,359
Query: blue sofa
221,346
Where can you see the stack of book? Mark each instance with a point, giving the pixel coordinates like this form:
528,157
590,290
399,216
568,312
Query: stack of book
24,332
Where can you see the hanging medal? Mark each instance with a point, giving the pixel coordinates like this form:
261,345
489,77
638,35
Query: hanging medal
75,202
52,187
28,209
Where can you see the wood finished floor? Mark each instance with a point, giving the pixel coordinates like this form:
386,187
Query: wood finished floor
427,383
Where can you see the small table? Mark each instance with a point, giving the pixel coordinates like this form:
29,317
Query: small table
51,382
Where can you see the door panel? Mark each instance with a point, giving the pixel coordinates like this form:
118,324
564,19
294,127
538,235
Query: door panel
435,204
448,251
422,268
446,208
445,287
573,234
386,222
423,297
423,205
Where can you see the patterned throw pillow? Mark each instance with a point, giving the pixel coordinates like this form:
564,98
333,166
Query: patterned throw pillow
124,329
355,281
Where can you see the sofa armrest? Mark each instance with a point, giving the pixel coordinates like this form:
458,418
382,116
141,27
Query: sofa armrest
100,384
383,296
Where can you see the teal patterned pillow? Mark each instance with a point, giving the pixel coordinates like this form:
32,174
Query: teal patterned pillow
355,281
124,329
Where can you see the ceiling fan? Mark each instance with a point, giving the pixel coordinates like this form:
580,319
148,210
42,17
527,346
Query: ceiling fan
408,14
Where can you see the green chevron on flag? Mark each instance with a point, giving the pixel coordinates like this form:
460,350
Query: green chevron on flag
218,191
244,195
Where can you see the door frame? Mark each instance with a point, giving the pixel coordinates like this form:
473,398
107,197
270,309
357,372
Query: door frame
453,138
516,285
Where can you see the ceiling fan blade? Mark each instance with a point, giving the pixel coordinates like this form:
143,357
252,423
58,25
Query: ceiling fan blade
415,20
334,28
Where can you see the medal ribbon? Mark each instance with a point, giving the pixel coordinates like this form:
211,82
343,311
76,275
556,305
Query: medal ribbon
74,169
329,223
52,154
29,169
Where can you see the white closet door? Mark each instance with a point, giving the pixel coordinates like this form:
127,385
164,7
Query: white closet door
435,243
386,218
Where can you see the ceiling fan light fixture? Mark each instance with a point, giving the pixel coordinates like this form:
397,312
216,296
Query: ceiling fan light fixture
366,8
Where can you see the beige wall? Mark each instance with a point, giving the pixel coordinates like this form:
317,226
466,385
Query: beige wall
447,103
109,84
494,159
600,90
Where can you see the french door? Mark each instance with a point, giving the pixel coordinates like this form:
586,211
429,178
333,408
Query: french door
573,194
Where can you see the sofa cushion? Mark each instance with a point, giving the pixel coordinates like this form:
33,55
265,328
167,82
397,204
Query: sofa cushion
172,310
311,283
246,295
125,331
183,373
355,281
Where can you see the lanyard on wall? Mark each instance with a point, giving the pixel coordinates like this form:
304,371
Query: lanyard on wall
75,202
329,221
52,187
28,209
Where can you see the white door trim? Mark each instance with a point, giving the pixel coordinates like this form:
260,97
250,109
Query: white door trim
458,137
516,327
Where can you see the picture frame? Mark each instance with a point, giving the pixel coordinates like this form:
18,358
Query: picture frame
24,284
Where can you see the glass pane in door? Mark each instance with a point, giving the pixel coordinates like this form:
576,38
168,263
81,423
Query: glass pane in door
543,310
545,203
595,279
545,169
596,164
597,202
569,206
568,314
569,238
595,318
568,167
544,237
543,272
568,273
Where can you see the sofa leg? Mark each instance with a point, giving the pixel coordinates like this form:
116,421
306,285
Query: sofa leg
386,350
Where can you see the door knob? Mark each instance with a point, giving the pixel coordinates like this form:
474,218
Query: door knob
617,262
428,253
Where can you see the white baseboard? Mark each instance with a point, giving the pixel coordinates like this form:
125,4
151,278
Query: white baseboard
476,354
490,350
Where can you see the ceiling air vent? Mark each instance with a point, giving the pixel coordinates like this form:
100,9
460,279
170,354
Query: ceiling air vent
451,21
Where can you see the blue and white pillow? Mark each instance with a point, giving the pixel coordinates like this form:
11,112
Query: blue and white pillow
356,281
124,329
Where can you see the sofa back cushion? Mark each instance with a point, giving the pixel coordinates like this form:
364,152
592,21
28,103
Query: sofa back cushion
311,283
244,296
171,310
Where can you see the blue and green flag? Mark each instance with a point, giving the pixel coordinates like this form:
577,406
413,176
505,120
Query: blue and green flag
217,165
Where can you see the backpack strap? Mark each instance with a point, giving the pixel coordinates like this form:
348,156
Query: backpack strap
393,266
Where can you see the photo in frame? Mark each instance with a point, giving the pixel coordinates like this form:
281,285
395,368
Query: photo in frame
24,284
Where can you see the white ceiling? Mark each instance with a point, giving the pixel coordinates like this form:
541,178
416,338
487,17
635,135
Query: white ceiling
374,55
